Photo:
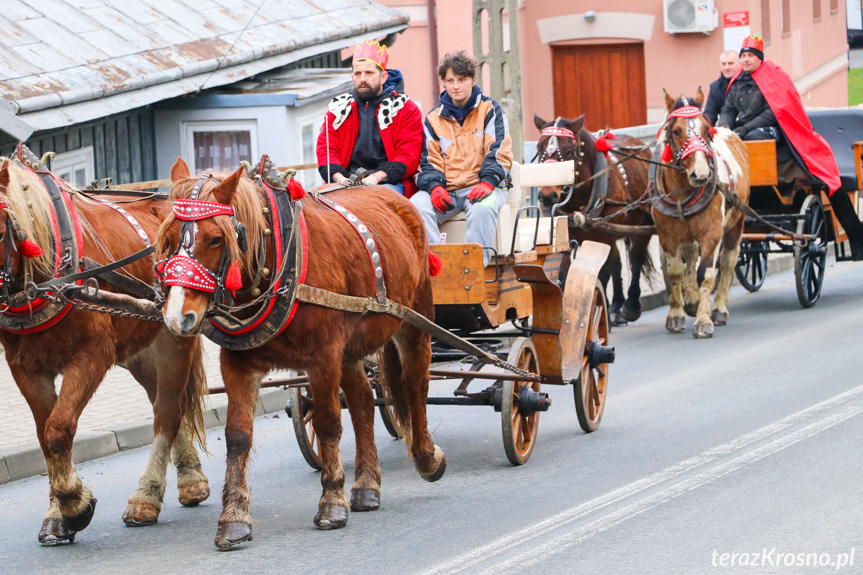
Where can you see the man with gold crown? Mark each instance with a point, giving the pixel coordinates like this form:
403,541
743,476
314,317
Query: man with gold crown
763,103
375,127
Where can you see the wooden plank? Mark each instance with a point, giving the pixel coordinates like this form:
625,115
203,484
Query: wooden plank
762,162
124,167
148,145
111,150
99,151
135,158
561,234
462,277
577,301
858,164
547,314
59,143
74,139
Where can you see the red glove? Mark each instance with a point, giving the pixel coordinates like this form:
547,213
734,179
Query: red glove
441,199
479,192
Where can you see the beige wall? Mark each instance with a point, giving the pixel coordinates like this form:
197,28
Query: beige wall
813,53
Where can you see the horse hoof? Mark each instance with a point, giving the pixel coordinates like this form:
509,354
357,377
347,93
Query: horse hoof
365,499
631,314
331,516
617,319
702,331
82,520
675,324
719,317
690,309
140,516
192,495
53,533
229,535
441,468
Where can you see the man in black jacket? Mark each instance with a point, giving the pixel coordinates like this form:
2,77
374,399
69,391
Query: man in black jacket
747,112
729,64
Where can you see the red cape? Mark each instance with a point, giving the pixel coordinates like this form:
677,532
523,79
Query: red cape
783,99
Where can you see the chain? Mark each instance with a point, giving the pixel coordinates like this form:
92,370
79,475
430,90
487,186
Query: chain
78,304
527,375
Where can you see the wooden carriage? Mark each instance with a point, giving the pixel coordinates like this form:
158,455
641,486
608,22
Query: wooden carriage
545,288
787,197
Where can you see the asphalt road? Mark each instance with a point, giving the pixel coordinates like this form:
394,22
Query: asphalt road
746,444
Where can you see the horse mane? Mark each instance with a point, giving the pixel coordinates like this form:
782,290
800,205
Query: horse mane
248,206
29,203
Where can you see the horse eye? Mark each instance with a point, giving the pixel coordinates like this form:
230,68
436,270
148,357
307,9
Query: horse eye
216,241
678,132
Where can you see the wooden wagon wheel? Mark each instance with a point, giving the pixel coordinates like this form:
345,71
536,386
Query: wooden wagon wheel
520,425
751,268
590,389
386,410
301,411
810,261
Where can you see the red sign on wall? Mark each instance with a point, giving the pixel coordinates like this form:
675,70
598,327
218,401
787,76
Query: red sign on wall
735,19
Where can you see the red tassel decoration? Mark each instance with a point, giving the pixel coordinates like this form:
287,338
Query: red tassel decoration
435,264
712,131
610,136
296,189
30,249
666,154
234,281
602,145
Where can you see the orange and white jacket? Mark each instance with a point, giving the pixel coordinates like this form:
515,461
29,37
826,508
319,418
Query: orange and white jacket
457,156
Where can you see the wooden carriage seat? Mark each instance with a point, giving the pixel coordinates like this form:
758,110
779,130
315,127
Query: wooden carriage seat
523,176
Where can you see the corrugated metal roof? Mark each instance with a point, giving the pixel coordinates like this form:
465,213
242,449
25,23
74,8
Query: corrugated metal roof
68,61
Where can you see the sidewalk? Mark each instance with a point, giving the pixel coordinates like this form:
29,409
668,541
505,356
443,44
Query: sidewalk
119,416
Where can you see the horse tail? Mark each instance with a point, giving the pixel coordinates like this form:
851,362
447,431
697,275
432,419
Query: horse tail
648,270
196,391
390,378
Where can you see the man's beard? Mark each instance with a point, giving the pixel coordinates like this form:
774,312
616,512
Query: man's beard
367,93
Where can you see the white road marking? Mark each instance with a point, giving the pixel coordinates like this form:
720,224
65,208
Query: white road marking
576,534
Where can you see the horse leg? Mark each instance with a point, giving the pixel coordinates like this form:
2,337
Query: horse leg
241,386
706,277
638,255
612,269
80,380
675,322
172,374
408,378
38,391
324,378
192,484
366,490
727,261
690,282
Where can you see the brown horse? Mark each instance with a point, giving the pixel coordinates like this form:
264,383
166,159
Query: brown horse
701,161
327,344
82,345
625,184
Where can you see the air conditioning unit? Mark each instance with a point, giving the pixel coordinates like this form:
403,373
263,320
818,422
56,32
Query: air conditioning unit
688,16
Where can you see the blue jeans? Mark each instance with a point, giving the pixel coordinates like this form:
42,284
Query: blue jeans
400,188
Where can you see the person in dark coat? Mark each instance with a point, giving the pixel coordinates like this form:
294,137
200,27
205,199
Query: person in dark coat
729,64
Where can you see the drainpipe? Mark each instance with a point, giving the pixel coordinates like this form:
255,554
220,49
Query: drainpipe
432,25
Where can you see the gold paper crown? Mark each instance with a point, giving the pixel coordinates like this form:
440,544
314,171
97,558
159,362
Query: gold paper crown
372,50
753,41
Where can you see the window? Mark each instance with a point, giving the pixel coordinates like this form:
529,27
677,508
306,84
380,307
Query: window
816,10
765,21
219,144
786,17
834,6
76,167
309,130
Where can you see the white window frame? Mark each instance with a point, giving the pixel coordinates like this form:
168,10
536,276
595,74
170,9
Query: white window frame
188,129
73,160
316,121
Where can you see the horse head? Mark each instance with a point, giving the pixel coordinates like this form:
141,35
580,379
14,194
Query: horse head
25,216
688,138
559,141
203,244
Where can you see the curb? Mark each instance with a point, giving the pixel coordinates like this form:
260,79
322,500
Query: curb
26,460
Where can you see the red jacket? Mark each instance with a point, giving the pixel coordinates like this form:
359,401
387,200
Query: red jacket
400,124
